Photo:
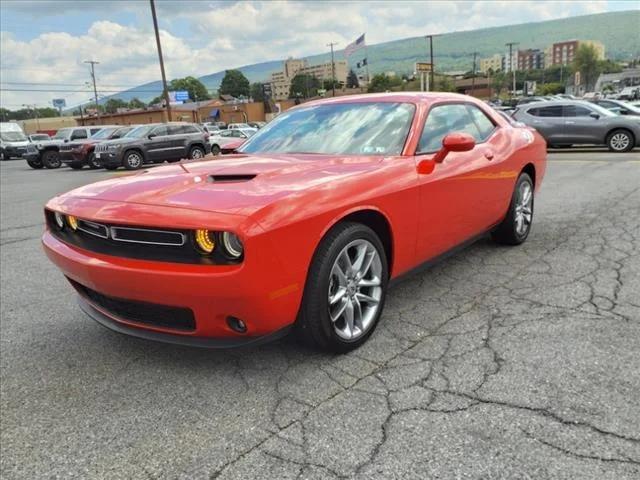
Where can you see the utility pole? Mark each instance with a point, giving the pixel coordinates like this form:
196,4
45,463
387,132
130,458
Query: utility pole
432,73
33,108
95,90
164,77
333,69
513,70
473,73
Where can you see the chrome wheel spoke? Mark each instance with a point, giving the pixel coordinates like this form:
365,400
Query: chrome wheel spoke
335,316
357,316
349,318
360,258
339,295
369,282
361,297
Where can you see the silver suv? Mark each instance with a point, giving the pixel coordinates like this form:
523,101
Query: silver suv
566,123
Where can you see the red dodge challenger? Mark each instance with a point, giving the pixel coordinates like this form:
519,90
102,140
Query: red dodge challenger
303,228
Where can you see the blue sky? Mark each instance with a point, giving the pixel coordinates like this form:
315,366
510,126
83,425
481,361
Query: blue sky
45,42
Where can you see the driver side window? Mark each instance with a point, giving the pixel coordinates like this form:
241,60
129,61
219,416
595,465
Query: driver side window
442,120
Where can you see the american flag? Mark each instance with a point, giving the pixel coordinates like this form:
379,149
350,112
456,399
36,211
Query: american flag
355,46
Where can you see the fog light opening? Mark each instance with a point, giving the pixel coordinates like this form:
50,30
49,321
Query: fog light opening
237,325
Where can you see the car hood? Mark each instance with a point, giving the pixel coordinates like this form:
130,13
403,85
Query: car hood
240,184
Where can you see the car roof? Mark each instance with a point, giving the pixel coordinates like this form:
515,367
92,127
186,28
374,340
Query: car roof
397,97
554,103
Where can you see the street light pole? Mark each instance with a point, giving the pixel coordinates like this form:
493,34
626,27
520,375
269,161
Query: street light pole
432,72
333,69
473,73
513,70
95,90
164,77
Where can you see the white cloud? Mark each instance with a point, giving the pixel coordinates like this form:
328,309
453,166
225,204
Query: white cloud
199,38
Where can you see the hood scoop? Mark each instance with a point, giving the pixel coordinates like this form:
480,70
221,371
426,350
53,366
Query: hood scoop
230,178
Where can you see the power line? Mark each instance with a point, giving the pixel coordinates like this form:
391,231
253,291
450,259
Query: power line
65,84
53,90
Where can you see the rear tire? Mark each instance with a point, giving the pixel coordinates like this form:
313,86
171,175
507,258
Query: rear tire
51,159
76,165
620,141
345,290
35,165
515,227
215,150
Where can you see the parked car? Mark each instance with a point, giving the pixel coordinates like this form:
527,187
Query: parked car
77,154
231,126
47,152
220,140
210,127
257,125
153,143
630,93
618,106
304,229
39,137
525,100
13,141
575,122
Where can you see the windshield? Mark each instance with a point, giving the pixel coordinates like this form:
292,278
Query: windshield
41,136
378,128
629,107
104,133
602,111
12,137
62,134
139,132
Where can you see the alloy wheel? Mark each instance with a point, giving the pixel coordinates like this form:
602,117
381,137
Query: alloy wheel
134,160
524,208
620,141
197,153
355,289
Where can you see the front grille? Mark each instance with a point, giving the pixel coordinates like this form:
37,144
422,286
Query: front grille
138,242
164,316
100,148
65,148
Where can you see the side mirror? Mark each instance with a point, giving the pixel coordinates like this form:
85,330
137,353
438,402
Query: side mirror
594,115
454,142
151,136
66,140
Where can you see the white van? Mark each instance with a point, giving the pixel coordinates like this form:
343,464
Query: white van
13,141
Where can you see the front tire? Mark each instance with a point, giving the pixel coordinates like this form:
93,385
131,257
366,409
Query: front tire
93,162
620,141
133,160
76,165
215,150
51,159
196,153
345,290
515,227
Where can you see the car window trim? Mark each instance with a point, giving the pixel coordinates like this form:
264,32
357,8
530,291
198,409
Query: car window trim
455,102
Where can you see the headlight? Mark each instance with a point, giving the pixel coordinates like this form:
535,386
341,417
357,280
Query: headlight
113,147
73,222
205,241
39,146
232,244
59,220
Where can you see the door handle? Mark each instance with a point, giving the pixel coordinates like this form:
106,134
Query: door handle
488,155
568,122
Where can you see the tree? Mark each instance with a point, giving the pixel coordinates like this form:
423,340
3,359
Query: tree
136,103
113,104
235,84
329,84
159,100
257,93
352,80
550,88
197,90
445,84
304,85
382,82
586,62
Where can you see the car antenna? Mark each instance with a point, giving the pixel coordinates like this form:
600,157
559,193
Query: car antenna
183,167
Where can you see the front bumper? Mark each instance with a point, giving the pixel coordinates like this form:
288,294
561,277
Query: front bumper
13,152
109,158
71,156
252,291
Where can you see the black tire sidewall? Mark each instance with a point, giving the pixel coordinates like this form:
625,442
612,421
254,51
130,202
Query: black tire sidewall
35,165
524,177
47,161
91,161
315,307
125,160
629,136
215,150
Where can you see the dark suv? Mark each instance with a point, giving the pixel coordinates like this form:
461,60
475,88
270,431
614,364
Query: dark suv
153,143
47,153
79,153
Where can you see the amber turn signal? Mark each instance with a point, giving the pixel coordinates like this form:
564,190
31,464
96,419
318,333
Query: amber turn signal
204,240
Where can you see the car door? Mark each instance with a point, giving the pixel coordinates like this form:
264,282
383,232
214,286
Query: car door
580,126
179,142
464,195
158,143
548,121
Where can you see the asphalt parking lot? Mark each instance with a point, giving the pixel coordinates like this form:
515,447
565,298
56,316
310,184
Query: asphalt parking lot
495,363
